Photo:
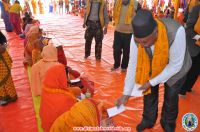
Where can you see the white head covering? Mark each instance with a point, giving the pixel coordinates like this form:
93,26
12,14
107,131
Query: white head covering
49,53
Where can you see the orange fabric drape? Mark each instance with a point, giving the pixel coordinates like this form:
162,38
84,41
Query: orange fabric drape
56,77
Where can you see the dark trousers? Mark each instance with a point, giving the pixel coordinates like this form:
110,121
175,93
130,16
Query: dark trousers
192,75
94,30
121,45
169,109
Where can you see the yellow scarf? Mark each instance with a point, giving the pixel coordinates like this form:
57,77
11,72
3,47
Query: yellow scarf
159,61
197,29
83,113
129,12
101,12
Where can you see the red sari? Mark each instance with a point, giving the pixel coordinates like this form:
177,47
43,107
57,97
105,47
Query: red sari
15,20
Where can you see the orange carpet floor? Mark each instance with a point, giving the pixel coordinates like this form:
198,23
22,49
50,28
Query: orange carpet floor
67,29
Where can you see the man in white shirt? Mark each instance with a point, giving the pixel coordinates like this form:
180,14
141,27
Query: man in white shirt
158,54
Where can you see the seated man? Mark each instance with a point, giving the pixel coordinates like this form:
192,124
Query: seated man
56,97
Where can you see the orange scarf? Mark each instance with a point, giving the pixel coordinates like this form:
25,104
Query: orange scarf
159,61
67,92
56,77
56,81
83,113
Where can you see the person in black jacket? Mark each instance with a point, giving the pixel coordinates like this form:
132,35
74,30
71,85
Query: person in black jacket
194,49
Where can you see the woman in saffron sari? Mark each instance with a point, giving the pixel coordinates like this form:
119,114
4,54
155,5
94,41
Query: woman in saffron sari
56,97
87,112
5,6
15,17
7,88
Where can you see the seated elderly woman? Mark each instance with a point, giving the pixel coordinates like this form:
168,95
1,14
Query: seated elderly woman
29,22
87,112
56,97
51,56
39,69
33,46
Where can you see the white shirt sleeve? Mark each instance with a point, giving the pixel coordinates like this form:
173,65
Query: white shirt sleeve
130,76
176,58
